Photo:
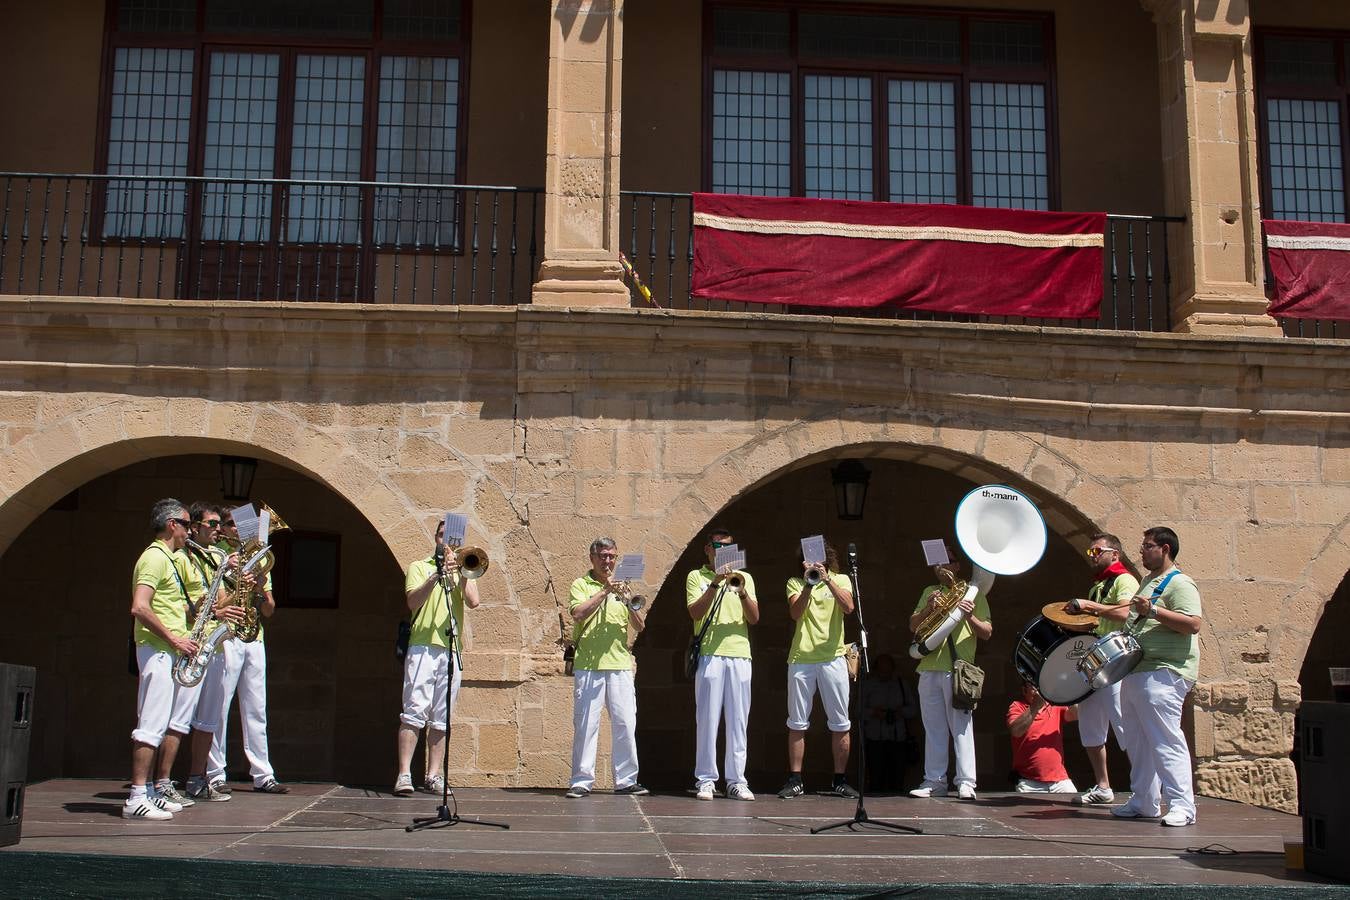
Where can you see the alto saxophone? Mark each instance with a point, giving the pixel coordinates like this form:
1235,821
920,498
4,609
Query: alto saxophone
190,669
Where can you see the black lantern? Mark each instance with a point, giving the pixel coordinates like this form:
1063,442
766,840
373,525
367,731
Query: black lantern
850,488
236,477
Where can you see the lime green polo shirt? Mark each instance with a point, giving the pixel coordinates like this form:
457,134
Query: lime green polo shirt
1163,647
819,635
729,634
602,639
169,575
1122,589
940,660
431,618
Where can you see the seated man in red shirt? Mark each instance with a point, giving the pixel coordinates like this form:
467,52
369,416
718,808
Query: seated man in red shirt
1037,730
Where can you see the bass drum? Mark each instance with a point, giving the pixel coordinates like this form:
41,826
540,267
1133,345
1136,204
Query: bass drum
1047,656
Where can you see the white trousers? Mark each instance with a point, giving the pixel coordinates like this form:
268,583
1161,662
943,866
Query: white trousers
592,691
243,670
721,693
941,721
830,679
428,672
1098,712
1160,760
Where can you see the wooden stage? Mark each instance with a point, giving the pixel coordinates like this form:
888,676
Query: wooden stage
999,839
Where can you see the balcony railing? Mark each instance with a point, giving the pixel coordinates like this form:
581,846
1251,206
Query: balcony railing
658,240
203,238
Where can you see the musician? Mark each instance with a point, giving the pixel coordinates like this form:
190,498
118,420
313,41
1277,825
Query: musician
941,721
1152,695
816,664
432,666
164,585
205,528
1037,730
239,669
603,673
1108,599
722,681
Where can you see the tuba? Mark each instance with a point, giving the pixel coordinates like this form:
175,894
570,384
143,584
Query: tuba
1003,533
255,559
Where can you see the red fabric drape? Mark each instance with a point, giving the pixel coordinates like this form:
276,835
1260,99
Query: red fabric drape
1309,269
845,253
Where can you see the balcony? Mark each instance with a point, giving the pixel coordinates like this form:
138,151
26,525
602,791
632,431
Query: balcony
203,238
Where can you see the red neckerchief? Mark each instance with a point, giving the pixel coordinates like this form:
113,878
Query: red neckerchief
1116,568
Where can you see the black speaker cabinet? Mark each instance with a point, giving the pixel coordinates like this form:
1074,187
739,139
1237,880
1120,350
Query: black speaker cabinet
1324,747
16,725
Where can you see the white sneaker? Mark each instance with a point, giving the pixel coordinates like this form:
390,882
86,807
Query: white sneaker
1096,797
740,792
966,792
1177,818
144,809
164,803
1130,811
403,786
705,791
929,789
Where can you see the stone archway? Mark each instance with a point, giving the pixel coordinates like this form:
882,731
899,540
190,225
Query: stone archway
769,514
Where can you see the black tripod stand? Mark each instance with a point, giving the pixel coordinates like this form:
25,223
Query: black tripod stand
445,816
860,816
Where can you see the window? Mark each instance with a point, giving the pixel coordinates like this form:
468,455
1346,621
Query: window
347,90
939,107
308,569
1303,89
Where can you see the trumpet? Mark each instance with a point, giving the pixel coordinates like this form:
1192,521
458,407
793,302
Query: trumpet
735,581
634,602
815,575
472,561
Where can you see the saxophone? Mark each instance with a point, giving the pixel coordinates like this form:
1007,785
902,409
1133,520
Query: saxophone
189,670
946,615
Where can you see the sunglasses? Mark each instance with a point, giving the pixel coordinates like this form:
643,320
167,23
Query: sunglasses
184,522
211,523
1094,552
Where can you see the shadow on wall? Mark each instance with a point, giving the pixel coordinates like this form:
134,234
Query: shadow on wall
906,503
333,681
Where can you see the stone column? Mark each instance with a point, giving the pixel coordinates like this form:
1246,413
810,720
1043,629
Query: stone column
1208,107
581,209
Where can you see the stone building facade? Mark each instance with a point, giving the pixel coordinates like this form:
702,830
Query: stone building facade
584,413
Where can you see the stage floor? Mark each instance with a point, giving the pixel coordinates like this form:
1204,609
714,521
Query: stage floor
1000,839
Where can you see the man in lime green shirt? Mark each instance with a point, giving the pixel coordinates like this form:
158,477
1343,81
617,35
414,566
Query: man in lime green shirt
1153,694
1108,599
431,669
603,673
816,664
163,585
722,681
941,721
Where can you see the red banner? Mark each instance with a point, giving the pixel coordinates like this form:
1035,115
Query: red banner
1309,269
851,254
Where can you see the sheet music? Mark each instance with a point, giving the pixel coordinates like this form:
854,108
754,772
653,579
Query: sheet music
455,525
732,556
264,525
245,521
813,548
935,552
630,568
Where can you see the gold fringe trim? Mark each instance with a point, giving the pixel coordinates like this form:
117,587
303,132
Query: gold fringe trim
898,232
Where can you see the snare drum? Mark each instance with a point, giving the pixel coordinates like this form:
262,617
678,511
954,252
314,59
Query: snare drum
1047,656
1110,659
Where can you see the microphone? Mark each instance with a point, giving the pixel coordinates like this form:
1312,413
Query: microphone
853,554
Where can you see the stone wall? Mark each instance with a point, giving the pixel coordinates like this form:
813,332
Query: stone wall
551,426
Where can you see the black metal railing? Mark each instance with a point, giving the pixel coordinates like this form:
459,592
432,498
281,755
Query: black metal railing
267,239
657,234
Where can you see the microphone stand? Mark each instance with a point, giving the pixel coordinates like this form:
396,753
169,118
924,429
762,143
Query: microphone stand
860,816
445,816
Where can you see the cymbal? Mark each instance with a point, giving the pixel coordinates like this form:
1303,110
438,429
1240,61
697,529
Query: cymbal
1083,622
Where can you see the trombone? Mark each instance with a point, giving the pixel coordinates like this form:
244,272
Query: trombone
472,562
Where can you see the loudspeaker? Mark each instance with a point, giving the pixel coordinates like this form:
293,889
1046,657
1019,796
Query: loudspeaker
16,725
1324,746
